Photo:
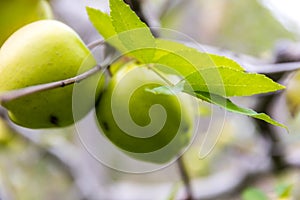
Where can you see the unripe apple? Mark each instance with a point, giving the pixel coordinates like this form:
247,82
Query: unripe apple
146,126
43,52
16,13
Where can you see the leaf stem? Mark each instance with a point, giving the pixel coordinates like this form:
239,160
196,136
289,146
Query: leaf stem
151,67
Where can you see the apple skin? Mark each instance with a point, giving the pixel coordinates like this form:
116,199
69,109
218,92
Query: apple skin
42,52
116,107
16,13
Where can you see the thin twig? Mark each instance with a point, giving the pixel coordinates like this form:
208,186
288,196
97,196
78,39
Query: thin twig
181,166
276,151
15,94
250,64
251,67
96,43
274,68
185,178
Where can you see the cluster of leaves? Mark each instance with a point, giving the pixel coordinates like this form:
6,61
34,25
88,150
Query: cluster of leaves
208,77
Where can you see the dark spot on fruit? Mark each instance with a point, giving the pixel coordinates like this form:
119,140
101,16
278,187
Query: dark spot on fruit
185,129
53,120
105,126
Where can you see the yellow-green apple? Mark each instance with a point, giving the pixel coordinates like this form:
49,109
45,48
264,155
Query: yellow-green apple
145,125
16,13
43,52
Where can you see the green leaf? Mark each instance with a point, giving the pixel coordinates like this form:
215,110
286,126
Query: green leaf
101,22
230,106
132,32
124,19
226,82
134,38
254,194
184,60
230,82
219,101
180,56
125,31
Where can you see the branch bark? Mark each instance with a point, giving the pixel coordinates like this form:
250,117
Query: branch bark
185,178
15,94
250,64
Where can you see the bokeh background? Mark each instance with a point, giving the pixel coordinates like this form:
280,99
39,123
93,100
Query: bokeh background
244,162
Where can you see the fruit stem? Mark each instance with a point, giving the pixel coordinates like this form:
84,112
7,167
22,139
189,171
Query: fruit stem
185,178
151,67
180,163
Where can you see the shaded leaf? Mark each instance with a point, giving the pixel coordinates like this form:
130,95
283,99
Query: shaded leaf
230,106
219,101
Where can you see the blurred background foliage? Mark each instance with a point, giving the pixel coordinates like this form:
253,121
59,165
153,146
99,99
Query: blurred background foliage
242,26
53,164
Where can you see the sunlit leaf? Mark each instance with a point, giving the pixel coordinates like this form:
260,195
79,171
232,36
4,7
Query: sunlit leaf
205,76
175,54
101,22
132,32
230,82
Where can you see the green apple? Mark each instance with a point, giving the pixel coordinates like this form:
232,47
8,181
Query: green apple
146,126
42,52
16,13
293,94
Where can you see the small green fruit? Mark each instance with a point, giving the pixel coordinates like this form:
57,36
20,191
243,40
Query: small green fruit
147,126
42,52
16,13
